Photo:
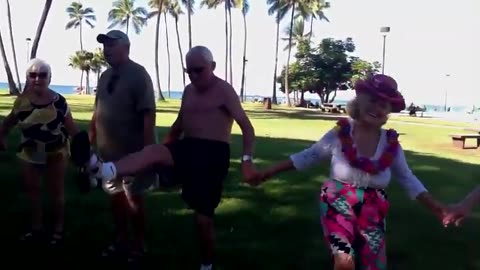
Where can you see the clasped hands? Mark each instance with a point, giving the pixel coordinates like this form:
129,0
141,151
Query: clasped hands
252,176
454,214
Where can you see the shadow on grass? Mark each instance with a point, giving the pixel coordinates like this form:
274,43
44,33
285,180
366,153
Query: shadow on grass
278,113
275,226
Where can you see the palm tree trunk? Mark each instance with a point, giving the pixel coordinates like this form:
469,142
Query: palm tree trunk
12,42
81,39
11,82
81,79
189,11
242,88
168,53
180,50
230,40
157,70
226,40
87,82
275,70
311,29
128,22
289,54
41,24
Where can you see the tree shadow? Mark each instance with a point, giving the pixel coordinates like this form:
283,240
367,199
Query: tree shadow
274,226
302,114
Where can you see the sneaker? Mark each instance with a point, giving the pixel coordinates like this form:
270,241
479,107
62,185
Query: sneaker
136,259
33,236
56,239
114,250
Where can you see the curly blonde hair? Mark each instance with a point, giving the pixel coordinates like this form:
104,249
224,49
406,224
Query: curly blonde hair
354,106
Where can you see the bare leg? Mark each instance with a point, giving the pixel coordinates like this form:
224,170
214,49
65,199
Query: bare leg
206,232
155,154
119,206
31,179
344,262
137,213
56,167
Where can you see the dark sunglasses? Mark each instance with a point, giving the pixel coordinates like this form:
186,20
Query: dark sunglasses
196,70
40,75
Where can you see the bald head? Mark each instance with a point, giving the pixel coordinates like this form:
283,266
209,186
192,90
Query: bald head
200,66
201,52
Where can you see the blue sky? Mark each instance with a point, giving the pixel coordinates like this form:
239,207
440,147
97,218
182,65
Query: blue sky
428,39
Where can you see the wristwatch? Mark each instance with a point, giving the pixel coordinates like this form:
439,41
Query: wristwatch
247,158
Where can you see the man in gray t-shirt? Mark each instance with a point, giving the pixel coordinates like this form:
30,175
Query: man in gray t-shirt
124,122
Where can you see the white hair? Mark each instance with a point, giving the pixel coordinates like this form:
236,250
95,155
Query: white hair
203,51
39,64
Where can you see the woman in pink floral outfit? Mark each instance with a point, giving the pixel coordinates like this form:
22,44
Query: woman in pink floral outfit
363,156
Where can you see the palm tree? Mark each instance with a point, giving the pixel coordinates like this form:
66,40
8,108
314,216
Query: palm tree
168,51
278,8
228,21
157,6
189,4
298,35
78,15
41,24
11,82
83,60
123,12
14,53
245,8
175,10
98,62
311,11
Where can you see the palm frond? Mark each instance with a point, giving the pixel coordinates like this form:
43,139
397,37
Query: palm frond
71,24
90,23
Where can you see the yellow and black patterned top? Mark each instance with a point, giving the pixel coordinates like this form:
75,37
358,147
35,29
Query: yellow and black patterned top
42,127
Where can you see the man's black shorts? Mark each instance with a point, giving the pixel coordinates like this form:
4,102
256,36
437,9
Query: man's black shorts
201,166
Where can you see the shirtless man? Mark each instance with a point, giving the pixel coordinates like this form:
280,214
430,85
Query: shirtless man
201,157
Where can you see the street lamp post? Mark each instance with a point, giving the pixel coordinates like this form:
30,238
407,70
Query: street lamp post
384,30
446,91
28,40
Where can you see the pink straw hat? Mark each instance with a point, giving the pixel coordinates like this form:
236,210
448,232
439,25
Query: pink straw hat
383,87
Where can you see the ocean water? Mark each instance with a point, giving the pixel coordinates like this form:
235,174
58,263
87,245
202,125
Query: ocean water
177,94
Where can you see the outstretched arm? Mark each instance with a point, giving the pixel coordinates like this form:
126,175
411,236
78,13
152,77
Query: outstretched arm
414,188
176,129
459,211
11,120
472,199
8,123
306,158
235,108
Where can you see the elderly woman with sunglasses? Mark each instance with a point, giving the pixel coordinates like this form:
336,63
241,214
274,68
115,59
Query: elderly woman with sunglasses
45,121
363,156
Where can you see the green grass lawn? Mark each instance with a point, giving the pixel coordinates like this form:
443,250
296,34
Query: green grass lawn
275,226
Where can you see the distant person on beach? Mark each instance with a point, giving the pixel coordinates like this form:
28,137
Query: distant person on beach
363,156
123,122
197,148
45,121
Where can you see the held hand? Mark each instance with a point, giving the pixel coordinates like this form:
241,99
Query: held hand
455,214
248,171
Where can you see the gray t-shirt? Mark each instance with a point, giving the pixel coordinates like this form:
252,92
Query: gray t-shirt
122,97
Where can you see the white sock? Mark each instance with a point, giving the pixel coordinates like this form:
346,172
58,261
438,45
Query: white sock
206,267
108,171
93,161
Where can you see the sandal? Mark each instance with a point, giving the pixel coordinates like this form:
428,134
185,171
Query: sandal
33,236
114,250
56,239
136,259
